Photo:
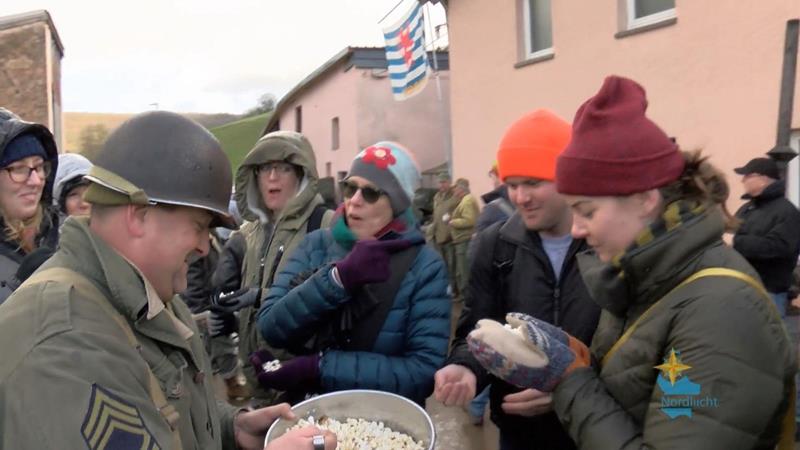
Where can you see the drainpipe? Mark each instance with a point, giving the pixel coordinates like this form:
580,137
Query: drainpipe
782,152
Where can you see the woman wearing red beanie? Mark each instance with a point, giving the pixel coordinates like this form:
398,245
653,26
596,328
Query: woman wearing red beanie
690,352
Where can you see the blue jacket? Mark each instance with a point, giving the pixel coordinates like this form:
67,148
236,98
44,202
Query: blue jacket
411,345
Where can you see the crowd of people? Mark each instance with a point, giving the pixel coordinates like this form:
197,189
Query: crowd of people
604,300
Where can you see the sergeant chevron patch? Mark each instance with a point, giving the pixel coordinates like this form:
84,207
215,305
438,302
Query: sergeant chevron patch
112,423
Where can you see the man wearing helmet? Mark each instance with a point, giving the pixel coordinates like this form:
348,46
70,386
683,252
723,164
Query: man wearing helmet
98,350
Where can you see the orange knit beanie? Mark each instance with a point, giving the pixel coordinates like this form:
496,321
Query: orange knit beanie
530,146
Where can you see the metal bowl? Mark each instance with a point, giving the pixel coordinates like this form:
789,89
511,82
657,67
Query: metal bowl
396,412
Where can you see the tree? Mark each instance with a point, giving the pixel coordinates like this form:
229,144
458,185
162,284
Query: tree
266,103
92,139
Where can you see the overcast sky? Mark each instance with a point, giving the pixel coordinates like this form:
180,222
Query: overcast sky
201,55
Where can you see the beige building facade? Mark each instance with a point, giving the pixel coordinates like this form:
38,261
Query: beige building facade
30,69
712,71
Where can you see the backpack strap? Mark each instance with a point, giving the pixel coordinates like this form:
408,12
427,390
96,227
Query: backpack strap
90,291
380,298
709,272
315,219
788,422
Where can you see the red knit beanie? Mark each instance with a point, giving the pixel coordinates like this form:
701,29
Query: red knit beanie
615,149
530,146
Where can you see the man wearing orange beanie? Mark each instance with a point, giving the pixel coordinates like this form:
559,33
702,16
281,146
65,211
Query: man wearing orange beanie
527,265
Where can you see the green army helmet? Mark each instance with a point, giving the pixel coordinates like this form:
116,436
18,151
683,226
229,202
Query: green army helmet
161,157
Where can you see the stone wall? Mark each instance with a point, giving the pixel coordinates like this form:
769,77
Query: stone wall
23,72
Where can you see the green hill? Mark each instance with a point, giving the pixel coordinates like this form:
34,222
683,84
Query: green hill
238,137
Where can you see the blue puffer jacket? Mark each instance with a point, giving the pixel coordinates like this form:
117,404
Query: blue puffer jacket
411,345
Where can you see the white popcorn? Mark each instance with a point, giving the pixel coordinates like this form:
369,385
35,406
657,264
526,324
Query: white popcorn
515,330
360,434
271,366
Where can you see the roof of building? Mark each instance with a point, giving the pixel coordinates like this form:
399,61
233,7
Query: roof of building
349,57
26,18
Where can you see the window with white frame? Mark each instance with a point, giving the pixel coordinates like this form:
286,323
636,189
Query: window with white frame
646,12
538,28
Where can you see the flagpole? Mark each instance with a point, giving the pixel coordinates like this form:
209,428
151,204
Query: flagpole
443,112
390,11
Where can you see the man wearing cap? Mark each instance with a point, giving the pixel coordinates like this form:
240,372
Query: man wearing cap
98,350
444,202
462,227
769,234
525,264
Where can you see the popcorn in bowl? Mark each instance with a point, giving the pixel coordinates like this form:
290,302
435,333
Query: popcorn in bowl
360,434
363,420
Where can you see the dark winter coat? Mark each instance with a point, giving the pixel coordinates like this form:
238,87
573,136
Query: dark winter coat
497,208
11,255
769,236
516,276
410,346
726,331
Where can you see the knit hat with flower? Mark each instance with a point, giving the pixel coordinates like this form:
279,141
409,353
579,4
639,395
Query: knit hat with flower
393,169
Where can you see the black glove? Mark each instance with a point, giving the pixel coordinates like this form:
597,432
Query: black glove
222,324
234,301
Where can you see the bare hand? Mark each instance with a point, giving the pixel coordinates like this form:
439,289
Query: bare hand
528,403
300,439
454,385
250,428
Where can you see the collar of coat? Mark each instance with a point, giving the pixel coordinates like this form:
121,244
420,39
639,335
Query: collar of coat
659,260
771,192
122,282
515,232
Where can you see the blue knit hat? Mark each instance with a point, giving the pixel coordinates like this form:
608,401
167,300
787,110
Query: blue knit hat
20,147
393,169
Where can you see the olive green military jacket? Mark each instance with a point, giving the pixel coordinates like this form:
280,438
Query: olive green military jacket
69,377
443,203
737,386
271,240
463,219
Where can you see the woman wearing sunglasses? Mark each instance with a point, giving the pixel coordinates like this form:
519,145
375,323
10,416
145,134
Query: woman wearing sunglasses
28,160
364,303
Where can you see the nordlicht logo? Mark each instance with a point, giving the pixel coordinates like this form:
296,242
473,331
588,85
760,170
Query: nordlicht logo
680,393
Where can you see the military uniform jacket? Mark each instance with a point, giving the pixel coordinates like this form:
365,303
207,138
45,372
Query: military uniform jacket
69,377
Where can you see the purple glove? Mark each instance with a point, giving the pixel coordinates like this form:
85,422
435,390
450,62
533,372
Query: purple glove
299,372
368,262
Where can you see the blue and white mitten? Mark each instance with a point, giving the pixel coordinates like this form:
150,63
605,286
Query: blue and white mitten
528,352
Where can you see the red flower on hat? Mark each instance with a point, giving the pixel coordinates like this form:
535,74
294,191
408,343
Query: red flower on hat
381,157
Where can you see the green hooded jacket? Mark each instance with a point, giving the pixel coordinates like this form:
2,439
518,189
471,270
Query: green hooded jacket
741,364
271,240
70,379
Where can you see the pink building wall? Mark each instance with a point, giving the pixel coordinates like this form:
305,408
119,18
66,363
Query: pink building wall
362,100
332,96
712,78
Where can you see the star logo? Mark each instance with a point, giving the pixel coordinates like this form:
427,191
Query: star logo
672,366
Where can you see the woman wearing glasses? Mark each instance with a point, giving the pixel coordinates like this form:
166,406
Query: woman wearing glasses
28,159
276,192
365,302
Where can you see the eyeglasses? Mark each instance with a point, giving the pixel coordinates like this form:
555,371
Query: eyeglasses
20,174
369,193
281,168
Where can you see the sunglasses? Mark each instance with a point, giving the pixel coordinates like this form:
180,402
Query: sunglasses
368,193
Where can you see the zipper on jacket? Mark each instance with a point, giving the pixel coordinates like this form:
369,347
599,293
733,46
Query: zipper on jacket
556,306
274,268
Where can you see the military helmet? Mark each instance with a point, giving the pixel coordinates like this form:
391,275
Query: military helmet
163,157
